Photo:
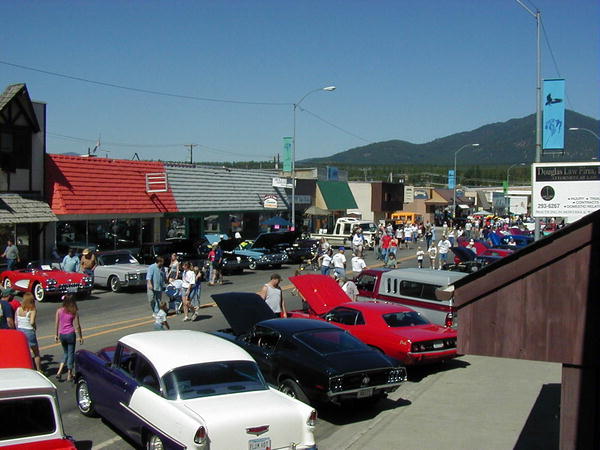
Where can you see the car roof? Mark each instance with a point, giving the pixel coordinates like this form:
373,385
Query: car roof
430,276
176,348
24,379
296,325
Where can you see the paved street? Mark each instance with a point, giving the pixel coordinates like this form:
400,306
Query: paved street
472,402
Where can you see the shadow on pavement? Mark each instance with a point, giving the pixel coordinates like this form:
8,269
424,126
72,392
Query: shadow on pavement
417,373
84,445
541,431
357,411
202,317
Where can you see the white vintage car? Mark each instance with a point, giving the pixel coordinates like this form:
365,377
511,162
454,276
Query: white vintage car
118,269
188,389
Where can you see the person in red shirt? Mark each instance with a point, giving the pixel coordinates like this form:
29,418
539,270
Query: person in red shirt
385,246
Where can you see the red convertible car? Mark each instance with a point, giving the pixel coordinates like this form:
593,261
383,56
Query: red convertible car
42,280
395,330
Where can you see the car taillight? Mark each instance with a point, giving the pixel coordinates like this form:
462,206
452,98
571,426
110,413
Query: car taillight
312,419
200,436
449,320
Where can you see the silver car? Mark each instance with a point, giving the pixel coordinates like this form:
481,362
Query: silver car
118,269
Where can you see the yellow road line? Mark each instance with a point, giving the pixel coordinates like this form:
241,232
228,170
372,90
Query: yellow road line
110,324
100,333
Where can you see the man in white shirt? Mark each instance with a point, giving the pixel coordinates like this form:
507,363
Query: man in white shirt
358,264
358,242
339,263
443,249
349,287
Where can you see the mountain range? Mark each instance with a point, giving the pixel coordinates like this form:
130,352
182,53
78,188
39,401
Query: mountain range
507,142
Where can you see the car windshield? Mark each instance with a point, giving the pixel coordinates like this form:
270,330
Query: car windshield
404,319
327,342
117,258
214,378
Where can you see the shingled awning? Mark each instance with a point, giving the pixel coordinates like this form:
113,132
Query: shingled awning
15,208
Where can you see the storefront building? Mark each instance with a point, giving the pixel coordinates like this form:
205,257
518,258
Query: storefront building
24,216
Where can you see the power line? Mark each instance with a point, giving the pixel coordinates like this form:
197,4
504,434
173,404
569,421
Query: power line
144,91
554,60
335,126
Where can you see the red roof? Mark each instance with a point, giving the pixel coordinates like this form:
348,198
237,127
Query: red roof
80,185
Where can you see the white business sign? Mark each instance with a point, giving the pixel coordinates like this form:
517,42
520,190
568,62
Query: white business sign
282,183
565,189
409,194
517,204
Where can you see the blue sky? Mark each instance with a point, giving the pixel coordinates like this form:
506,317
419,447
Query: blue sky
409,70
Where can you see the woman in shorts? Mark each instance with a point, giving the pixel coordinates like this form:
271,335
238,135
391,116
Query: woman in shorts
25,321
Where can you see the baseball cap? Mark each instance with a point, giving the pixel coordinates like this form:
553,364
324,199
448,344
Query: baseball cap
7,291
342,249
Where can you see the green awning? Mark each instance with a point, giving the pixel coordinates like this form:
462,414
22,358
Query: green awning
336,195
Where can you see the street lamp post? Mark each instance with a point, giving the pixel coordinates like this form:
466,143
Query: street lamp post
456,178
327,89
588,131
508,172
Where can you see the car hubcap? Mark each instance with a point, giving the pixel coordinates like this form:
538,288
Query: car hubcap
39,292
84,397
155,443
287,390
114,284
7,284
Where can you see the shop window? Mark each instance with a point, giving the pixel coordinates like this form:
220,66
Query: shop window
70,234
211,224
15,150
175,227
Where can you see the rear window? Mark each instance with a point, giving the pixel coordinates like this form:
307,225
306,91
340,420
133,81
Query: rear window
25,417
330,341
216,378
404,319
418,290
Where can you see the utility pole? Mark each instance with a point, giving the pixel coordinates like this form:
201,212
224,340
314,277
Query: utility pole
191,146
365,170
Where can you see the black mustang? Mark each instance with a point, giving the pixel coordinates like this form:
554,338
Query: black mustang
310,360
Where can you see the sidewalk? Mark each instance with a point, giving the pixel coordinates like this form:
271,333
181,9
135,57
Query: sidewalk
478,403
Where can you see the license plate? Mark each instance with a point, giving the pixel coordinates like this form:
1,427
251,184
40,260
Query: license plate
438,345
72,290
259,444
364,393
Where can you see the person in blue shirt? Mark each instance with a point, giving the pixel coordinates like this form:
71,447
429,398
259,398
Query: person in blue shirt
70,262
155,284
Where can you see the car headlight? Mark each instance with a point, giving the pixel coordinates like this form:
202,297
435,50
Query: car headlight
336,384
132,276
87,280
50,281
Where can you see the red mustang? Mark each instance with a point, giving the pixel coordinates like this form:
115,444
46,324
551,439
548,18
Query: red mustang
43,280
395,330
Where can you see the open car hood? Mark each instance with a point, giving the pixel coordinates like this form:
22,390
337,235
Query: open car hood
463,253
243,310
270,240
321,292
228,245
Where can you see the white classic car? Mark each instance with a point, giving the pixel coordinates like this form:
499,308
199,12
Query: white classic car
118,269
188,389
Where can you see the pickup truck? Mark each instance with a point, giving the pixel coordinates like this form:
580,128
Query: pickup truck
342,231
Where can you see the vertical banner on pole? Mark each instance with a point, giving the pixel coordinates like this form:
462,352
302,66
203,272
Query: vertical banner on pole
554,114
451,179
287,154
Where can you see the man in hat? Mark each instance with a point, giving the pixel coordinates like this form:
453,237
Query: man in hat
88,262
6,312
339,263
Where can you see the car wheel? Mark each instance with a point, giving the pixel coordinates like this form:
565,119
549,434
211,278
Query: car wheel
84,399
7,284
38,292
252,265
114,284
154,443
291,388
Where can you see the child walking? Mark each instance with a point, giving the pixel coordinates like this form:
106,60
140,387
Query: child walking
160,319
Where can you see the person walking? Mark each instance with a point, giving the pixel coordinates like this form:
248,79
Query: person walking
11,253
173,271
272,294
443,249
339,263
349,287
428,237
325,262
68,327
358,264
420,255
155,284
25,320
432,253
358,242
393,248
188,279
196,291
70,262
160,321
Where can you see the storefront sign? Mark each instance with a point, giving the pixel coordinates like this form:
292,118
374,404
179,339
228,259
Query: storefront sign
566,189
282,183
451,179
270,201
517,204
409,194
